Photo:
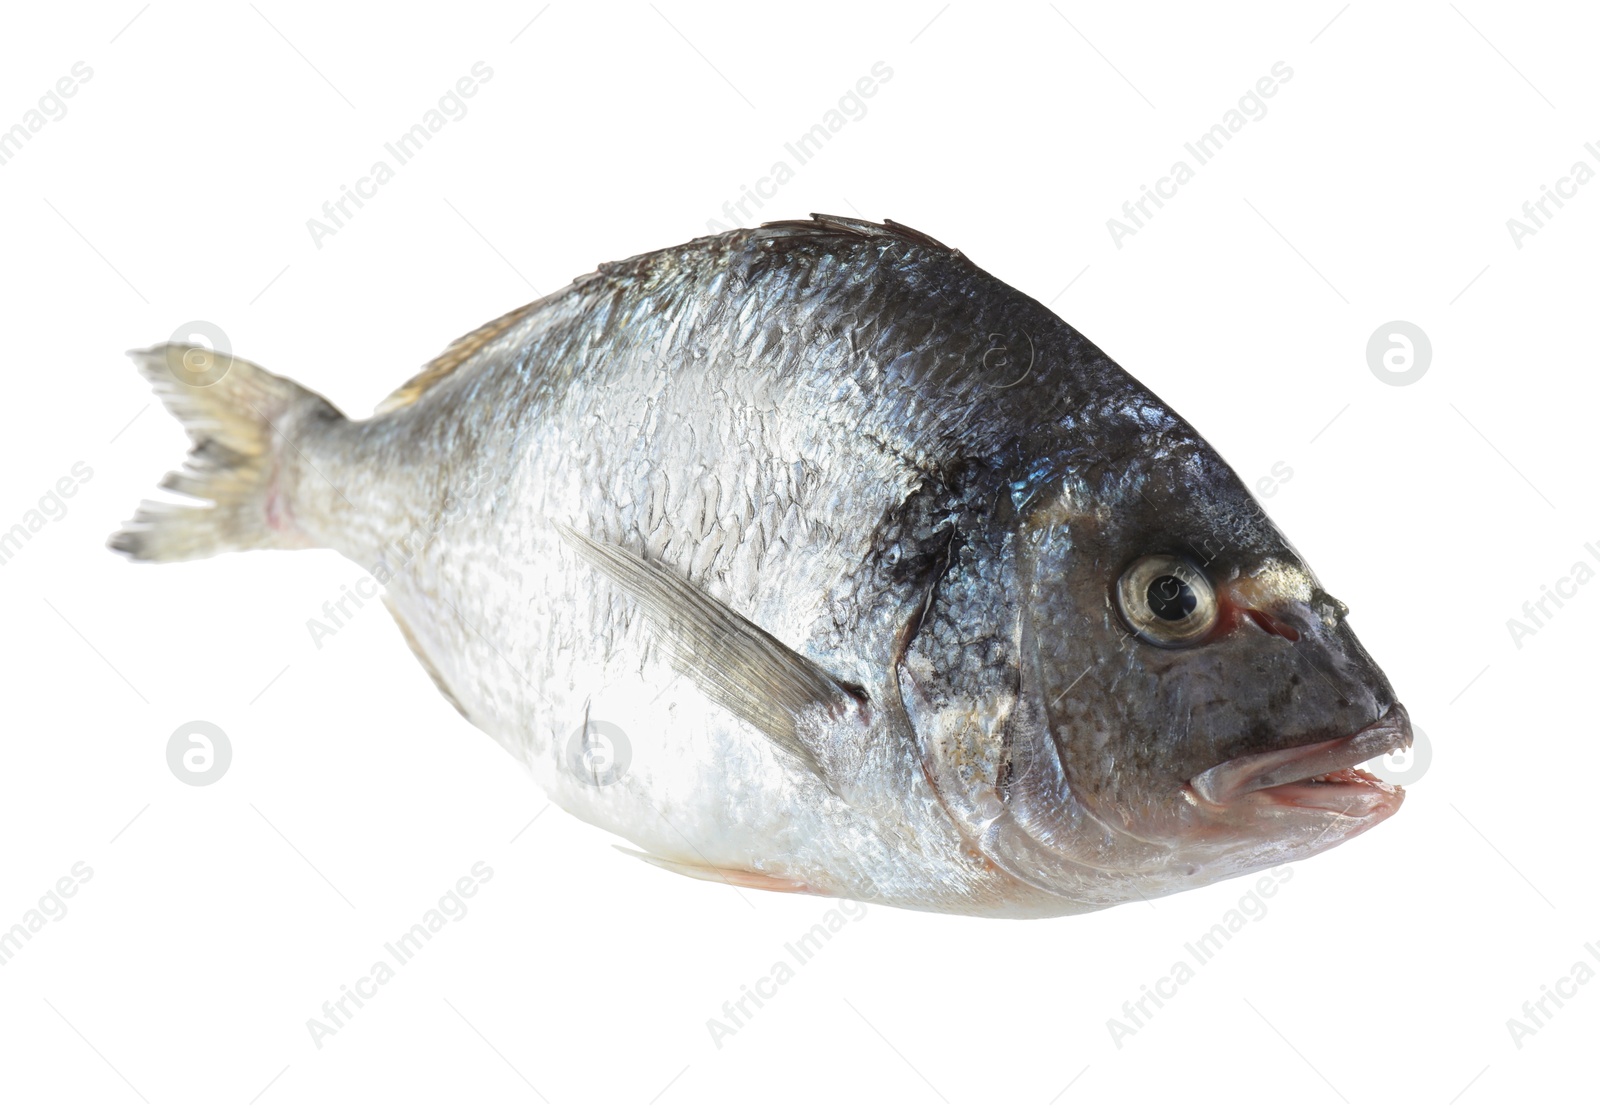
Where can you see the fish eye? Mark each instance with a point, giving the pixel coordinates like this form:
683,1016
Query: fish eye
1166,600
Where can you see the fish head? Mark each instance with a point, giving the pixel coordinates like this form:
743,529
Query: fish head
1207,703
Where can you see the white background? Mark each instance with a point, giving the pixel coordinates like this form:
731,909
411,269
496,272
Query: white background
220,919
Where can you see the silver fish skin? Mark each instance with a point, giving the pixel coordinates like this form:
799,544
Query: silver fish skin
875,578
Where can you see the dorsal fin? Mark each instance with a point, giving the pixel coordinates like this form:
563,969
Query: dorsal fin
817,227
820,226
457,353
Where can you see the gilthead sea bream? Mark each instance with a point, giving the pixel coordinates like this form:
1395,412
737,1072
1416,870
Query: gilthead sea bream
814,558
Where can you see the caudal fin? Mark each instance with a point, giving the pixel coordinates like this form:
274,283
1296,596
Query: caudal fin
236,414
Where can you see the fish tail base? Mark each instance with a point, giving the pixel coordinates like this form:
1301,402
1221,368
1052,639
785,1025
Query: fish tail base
237,415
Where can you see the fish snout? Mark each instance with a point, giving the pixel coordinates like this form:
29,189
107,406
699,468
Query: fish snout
1324,775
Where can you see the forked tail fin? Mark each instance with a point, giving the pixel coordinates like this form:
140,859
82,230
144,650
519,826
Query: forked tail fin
237,415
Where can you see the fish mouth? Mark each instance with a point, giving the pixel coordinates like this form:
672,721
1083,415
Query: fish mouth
1320,775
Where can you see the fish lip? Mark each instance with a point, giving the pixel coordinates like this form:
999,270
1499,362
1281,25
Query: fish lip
1284,775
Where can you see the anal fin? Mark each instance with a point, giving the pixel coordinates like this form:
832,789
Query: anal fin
416,648
741,878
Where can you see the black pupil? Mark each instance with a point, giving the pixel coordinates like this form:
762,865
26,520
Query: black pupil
1170,598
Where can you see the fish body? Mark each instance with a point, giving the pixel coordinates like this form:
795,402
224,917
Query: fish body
814,558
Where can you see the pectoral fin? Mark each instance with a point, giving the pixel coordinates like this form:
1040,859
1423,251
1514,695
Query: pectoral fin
732,661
